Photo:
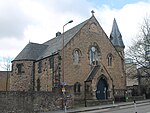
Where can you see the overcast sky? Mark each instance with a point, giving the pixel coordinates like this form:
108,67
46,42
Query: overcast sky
37,21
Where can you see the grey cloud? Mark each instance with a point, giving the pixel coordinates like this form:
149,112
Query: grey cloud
12,20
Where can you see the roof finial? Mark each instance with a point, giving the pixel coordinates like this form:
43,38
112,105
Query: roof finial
92,12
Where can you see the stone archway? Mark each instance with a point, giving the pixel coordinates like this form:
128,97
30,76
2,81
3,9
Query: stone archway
102,88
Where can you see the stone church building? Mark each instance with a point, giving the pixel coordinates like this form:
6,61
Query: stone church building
89,61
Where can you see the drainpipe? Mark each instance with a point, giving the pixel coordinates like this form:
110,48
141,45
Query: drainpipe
85,93
33,76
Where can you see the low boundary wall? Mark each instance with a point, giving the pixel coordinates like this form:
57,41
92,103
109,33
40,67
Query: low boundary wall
31,102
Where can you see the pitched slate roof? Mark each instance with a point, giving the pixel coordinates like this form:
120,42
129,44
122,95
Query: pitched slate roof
93,73
34,51
55,44
115,36
31,51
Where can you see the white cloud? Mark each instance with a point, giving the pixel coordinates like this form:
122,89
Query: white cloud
129,19
52,16
12,19
38,20
11,47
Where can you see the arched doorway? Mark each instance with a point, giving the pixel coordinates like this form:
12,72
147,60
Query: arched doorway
102,87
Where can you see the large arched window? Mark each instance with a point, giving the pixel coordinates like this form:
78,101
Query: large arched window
76,56
109,59
94,55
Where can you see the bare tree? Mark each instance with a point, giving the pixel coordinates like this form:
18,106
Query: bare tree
5,64
139,52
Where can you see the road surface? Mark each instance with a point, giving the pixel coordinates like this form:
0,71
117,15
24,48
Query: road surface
142,108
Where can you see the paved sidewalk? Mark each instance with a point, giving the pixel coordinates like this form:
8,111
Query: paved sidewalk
90,108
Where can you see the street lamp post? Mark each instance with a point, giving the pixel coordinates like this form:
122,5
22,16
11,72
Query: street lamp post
63,81
63,51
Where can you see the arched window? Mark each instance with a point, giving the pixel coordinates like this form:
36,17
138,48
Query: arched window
109,59
77,86
93,55
76,56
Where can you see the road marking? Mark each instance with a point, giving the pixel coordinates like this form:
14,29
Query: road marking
93,111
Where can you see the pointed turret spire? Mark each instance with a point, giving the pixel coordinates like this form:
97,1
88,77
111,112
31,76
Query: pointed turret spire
115,36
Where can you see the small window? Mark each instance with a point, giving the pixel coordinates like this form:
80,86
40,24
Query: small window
77,87
40,67
20,68
109,59
38,84
51,61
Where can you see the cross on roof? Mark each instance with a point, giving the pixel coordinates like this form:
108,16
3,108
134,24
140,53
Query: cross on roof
92,12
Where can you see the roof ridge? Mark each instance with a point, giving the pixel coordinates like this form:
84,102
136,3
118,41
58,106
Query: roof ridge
34,43
68,30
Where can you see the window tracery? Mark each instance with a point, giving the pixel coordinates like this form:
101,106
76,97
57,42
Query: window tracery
94,55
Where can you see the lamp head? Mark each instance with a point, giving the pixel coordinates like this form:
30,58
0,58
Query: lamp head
70,21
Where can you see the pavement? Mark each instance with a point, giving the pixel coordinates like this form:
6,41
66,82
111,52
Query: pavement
91,108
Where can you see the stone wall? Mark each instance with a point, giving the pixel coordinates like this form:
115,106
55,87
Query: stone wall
4,79
22,81
30,102
49,76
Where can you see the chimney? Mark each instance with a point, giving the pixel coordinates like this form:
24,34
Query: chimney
58,34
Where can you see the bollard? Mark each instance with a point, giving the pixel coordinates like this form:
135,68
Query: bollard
126,99
65,108
113,102
135,106
65,105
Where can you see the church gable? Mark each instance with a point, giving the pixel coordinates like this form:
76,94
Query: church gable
95,46
92,33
